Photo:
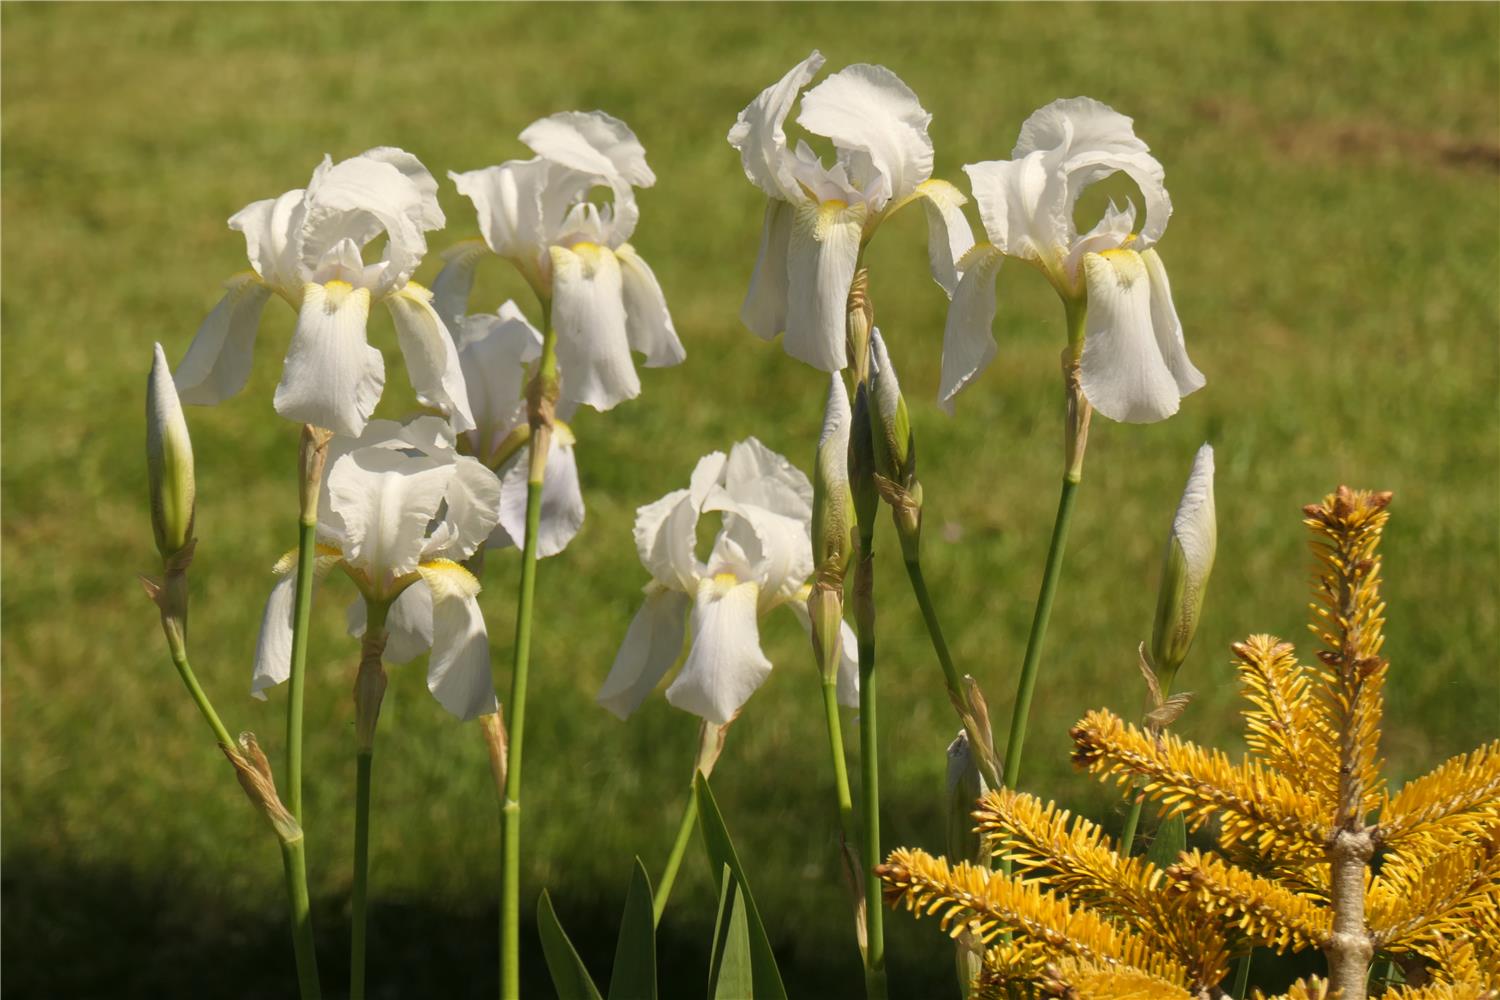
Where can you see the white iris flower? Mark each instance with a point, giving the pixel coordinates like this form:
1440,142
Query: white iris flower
1134,366
761,559
574,252
495,350
400,509
308,247
819,218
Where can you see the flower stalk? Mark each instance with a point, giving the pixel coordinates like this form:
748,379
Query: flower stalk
369,690
710,745
1076,440
541,399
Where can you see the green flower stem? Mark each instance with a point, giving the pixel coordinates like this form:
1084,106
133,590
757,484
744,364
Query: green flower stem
294,863
178,649
510,810
369,689
1027,684
1076,438
359,896
307,540
674,860
983,749
869,753
840,766
1242,977
1132,819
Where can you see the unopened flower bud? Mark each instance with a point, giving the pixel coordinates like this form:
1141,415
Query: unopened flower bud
859,322
169,461
895,450
833,505
1189,559
862,461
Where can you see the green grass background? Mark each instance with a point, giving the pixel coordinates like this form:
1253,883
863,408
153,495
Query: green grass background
1333,254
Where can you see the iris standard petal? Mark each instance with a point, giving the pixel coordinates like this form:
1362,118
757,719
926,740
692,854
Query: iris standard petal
493,351
968,340
1074,124
588,311
666,531
217,362
429,214
777,549
562,501
270,228
458,674
1143,168
821,259
431,357
759,133
358,199
332,377
725,664
508,200
869,109
1168,329
652,644
1023,207
471,509
1122,371
764,309
648,323
386,499
591,142
757,475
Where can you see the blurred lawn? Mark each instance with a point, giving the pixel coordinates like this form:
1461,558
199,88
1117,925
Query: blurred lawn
1333,254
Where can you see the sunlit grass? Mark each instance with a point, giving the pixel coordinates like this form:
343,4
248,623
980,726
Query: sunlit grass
1333,255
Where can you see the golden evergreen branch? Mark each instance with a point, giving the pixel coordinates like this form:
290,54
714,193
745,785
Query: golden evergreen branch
1268,914
1348,618
1010,969
1254,805
1312,988
1416,901
1287,726
1076,979
964,895
1443,991
1075,857
1458,798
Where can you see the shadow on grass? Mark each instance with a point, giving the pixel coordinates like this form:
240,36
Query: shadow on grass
86,932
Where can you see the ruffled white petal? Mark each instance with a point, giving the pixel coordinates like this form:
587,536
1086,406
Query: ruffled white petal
1168,328
270,229
759,133
755,474
408,624
1076,124
651,646
562,502
217,363
1122,371
494,351
273,649
431,358
458,674
948,234
764,309
869,109
648,323
454,283
471,509
430,214
1142,168
1024,207
508,200
591,142
968,340
821,259
357,200
588,310
725,664
386,499
332,377
666,531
